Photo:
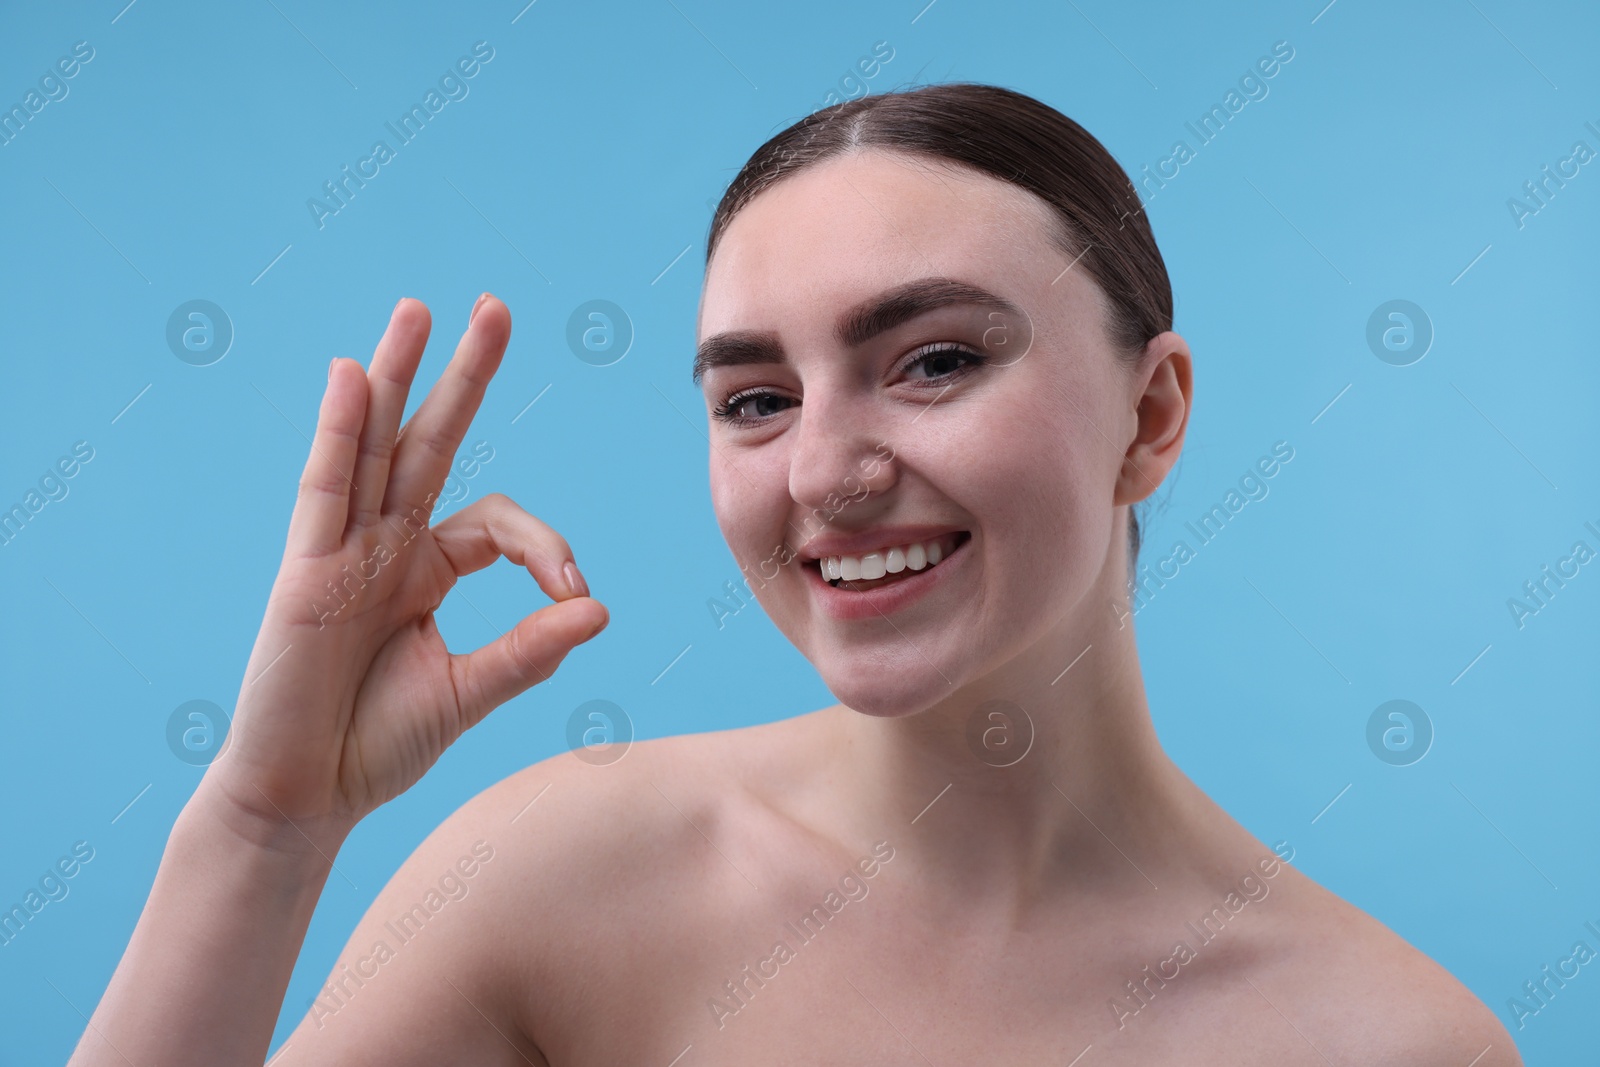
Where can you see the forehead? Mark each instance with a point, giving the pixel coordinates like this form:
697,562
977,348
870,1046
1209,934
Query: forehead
839,231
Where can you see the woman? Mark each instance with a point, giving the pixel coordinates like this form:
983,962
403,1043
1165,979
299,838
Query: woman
936,353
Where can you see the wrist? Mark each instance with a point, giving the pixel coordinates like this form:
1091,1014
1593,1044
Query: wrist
212,812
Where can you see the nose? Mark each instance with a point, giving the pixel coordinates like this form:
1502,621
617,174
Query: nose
840,458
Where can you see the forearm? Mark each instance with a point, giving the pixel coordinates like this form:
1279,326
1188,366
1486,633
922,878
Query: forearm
204,975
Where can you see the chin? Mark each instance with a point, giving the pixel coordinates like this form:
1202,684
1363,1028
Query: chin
883,694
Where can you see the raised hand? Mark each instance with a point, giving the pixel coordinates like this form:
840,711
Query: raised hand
350,694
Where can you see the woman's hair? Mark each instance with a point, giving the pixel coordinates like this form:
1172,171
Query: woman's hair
1017,139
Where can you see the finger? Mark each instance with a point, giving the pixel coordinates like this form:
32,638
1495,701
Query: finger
323,504
429,440
524,656
394,365
495,526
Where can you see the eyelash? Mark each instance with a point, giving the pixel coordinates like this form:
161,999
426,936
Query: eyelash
725,410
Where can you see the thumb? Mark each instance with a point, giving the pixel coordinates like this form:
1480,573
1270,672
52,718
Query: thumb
523,656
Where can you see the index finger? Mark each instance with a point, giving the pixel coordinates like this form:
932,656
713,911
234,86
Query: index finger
429,439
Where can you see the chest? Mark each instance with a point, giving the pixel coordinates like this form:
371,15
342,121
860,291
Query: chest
875,987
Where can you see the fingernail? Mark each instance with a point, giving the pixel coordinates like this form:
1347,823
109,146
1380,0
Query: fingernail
475,308
575,582
331,362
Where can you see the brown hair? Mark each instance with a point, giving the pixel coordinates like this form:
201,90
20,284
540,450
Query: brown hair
1017,139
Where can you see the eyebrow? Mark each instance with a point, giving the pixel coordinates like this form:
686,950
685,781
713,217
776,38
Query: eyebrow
856,326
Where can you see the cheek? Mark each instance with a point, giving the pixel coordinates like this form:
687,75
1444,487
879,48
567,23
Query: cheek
749,496
1043,494
1037,510
726,502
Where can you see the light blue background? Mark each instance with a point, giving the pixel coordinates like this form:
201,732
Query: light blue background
583,165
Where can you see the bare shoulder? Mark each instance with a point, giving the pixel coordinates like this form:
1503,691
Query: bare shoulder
1369,994
673,815
607,817
616,877
524,907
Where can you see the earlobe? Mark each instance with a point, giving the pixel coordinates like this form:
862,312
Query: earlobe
1160,417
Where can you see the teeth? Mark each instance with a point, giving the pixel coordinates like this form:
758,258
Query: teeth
890,561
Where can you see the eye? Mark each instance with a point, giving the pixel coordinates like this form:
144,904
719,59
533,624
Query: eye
959,361
729,410
944,363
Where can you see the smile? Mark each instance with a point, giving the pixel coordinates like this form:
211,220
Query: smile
875,569
898,576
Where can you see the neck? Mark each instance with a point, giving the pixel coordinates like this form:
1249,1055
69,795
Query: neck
1041,777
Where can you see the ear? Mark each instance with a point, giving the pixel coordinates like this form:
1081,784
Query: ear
1161,390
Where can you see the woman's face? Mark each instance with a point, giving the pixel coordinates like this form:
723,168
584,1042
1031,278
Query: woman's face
846,439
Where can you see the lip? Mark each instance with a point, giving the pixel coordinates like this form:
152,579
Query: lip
846,606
